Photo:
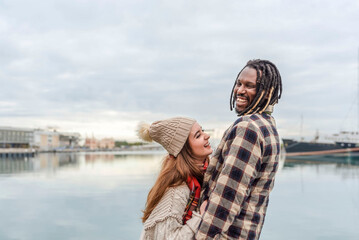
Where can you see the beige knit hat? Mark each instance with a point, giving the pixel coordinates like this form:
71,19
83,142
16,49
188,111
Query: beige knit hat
171,133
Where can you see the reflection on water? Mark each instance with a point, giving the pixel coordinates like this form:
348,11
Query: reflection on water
75,196
342,158
314,200
47,161
349,170
135,164
101,195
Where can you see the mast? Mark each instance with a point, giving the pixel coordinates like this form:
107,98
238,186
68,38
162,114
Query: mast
358,95
301,128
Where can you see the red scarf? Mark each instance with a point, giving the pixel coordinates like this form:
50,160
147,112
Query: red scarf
195,192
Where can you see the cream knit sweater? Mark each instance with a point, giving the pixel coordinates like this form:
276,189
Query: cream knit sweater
165,221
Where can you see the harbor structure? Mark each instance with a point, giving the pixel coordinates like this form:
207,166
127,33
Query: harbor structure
14,138
46,140
69,139
91,143
107,143
95,144
11,137
343,143
52,140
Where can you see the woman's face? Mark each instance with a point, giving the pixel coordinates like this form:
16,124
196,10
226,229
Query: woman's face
198,141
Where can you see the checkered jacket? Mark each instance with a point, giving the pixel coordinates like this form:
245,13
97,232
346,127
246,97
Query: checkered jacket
239,179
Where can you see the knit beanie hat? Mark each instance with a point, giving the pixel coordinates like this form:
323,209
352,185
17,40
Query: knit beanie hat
171,133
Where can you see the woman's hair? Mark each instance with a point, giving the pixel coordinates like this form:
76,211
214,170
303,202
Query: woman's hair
174,171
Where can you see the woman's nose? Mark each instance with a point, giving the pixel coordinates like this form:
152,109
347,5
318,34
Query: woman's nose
207,136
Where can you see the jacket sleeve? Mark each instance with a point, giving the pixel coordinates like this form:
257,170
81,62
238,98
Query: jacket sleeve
209,172
242,160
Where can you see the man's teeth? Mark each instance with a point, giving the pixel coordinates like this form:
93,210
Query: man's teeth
206,145
241,99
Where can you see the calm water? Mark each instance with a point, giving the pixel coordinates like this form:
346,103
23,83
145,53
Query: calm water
100,196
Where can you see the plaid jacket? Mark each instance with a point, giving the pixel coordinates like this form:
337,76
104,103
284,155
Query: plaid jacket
239,179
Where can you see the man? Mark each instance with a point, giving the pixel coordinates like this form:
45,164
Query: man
241,173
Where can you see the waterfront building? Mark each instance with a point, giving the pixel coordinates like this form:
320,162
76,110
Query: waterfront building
43,140
49,140
12,137
91,143
105,143
46,140
69,139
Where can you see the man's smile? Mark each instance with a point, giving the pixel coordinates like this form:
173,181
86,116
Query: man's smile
242,99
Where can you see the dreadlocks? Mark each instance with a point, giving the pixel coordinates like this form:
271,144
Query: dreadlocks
269,87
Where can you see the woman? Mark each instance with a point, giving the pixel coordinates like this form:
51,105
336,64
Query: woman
171,210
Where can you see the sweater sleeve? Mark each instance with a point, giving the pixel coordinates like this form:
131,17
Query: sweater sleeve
171,229
165,222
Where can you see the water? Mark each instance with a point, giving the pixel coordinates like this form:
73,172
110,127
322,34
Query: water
100,196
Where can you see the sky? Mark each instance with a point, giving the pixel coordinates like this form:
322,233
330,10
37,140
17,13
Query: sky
100,67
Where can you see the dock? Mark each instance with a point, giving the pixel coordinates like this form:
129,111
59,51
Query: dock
326,152
17,152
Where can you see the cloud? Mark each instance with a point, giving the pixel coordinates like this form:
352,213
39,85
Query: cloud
65,59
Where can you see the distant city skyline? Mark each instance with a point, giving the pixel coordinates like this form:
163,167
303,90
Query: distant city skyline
99,67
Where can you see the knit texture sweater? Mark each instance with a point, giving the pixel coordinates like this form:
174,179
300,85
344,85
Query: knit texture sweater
165,221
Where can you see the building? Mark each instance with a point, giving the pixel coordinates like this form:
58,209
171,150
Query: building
11,137
105,143
44,140
69,139
91,143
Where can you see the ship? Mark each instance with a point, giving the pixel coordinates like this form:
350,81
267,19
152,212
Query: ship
343,149
343,144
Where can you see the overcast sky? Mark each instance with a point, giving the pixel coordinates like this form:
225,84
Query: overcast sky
99,67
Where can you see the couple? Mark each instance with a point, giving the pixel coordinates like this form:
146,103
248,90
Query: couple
228,199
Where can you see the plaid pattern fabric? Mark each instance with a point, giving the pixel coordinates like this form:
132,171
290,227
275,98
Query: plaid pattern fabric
239,179
195,192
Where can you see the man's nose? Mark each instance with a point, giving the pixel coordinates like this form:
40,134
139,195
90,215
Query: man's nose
241,89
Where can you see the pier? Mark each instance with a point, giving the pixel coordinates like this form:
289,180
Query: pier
17,152
326,152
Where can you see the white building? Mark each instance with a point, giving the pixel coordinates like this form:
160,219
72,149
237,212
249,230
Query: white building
44,140
11,137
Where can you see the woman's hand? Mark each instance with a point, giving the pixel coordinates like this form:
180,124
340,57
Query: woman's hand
203,207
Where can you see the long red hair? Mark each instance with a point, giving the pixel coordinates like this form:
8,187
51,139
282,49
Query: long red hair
174,172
